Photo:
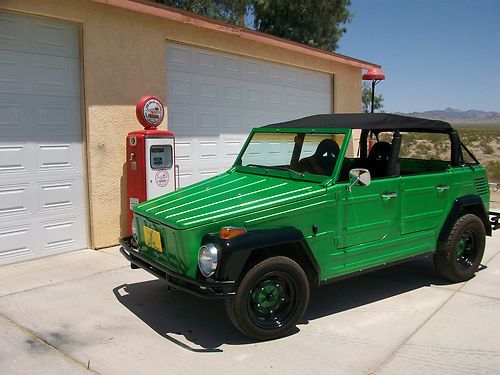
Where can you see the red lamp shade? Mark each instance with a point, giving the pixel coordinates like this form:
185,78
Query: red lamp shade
374,74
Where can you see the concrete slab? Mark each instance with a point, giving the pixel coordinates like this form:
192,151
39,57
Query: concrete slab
462,338
125,321
56,269
488,284
21,353
91,306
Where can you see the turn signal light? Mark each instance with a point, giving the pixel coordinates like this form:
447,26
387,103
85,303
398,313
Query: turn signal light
231,232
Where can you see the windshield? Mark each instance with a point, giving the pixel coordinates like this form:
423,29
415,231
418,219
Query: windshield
298,153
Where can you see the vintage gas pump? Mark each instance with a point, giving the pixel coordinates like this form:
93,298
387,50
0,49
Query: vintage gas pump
150,156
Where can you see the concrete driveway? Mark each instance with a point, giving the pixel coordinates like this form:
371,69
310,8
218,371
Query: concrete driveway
87,311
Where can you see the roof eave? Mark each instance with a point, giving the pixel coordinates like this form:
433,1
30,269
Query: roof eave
174,14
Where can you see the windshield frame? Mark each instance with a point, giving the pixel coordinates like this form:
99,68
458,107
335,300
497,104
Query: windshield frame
275,172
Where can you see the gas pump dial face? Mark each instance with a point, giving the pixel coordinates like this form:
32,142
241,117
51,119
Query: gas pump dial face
150,112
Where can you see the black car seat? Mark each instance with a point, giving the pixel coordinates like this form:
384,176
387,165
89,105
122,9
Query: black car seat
378,158
323,160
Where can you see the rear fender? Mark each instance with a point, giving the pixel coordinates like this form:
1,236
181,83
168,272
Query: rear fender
469,204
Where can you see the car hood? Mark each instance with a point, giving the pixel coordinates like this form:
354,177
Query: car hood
232,194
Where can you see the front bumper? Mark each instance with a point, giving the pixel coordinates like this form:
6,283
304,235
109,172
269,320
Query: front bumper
200,288
494,220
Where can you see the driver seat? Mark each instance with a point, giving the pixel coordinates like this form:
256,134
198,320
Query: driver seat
323,160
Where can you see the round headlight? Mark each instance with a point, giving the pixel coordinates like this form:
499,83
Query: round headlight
207,259
134,230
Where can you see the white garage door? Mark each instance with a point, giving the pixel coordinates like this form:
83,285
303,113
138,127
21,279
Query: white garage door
214,99
42,204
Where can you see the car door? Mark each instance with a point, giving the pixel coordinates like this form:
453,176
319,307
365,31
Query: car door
368,222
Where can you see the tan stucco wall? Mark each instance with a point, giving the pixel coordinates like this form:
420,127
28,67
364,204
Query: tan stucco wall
123,58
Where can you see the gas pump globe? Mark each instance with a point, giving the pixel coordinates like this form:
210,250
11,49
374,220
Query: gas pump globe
150,156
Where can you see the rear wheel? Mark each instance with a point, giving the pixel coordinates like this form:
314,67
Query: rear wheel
270,300
459,258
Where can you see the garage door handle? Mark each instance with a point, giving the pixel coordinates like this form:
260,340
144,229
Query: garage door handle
441,188
387,196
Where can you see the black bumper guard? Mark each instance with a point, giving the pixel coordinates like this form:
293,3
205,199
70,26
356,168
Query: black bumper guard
177,281
495,220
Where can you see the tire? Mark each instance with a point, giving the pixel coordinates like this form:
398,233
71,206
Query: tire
460,256
271,298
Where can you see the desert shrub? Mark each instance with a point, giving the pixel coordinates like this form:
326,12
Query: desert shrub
493,170
487,149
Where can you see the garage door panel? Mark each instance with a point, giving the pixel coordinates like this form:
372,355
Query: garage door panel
59,196
16,114
55,76
18,33
61,233
215,99
13,158
11,32
183,149
25,73
15,72
15,241
179,58
206,90
42,201
57,156
57,115
54,39
182,116
180,88
231,121
205,62
15,200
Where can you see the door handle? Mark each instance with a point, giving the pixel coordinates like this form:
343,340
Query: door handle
441,188
177,170
387,196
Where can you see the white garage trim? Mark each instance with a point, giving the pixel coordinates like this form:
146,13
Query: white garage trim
214,99
42,184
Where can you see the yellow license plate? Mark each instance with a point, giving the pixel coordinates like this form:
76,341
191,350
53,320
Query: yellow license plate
152,238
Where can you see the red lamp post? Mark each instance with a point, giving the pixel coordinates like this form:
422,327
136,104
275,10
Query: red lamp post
375,75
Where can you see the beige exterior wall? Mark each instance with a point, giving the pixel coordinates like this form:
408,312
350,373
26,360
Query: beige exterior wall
123,58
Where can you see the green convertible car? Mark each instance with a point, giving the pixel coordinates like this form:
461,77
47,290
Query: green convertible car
300,206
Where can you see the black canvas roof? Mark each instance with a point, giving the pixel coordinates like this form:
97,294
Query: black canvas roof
370,121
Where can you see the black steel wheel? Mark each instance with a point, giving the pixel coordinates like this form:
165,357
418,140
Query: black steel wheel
460,256
270,300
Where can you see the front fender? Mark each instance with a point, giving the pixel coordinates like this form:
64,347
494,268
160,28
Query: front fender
235,252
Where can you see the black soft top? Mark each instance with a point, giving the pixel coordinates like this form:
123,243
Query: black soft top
368,121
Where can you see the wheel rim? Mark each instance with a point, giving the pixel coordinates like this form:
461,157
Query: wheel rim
273,300
466,249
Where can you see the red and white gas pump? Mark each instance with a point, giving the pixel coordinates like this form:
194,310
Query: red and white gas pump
150,156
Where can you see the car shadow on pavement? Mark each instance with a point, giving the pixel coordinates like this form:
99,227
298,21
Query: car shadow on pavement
202,325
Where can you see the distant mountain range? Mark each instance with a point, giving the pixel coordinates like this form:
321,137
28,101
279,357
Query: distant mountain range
458,117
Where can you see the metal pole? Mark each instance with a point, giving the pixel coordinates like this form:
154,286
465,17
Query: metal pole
373,93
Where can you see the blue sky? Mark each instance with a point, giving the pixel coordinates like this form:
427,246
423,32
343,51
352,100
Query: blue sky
435,53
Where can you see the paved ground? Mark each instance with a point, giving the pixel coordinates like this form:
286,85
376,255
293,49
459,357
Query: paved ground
87,311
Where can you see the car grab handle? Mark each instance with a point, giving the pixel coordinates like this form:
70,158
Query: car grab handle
441,188
389,195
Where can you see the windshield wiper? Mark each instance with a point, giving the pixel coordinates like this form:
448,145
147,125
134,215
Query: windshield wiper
276,167
286,169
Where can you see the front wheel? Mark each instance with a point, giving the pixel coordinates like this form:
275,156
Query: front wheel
459,258
271,298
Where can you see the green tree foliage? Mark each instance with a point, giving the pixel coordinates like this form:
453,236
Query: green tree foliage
317,23
232,11
366,99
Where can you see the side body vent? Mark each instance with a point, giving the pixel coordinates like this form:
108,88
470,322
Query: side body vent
481,185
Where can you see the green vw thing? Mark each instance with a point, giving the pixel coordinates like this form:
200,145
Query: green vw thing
299,207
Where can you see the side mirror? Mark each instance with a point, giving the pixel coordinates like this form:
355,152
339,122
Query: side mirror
359,176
